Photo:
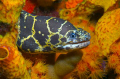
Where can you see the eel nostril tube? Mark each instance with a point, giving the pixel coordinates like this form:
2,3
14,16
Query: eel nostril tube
3,53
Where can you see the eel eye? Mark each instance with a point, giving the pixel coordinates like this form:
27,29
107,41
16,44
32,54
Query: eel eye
72,35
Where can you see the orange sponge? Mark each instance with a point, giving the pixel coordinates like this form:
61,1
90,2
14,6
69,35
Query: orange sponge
108,30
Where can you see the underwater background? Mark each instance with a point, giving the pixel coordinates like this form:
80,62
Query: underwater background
99,60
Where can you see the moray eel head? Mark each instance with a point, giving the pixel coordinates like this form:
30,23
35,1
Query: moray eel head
46,34
75,39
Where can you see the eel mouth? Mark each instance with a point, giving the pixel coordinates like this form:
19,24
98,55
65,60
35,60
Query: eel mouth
76,42
76,45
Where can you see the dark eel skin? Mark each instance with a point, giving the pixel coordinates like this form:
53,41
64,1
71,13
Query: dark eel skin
45,34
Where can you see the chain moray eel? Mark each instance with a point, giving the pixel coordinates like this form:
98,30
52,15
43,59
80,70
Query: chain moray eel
45,34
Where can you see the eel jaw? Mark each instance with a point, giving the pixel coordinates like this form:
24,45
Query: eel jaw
77,45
